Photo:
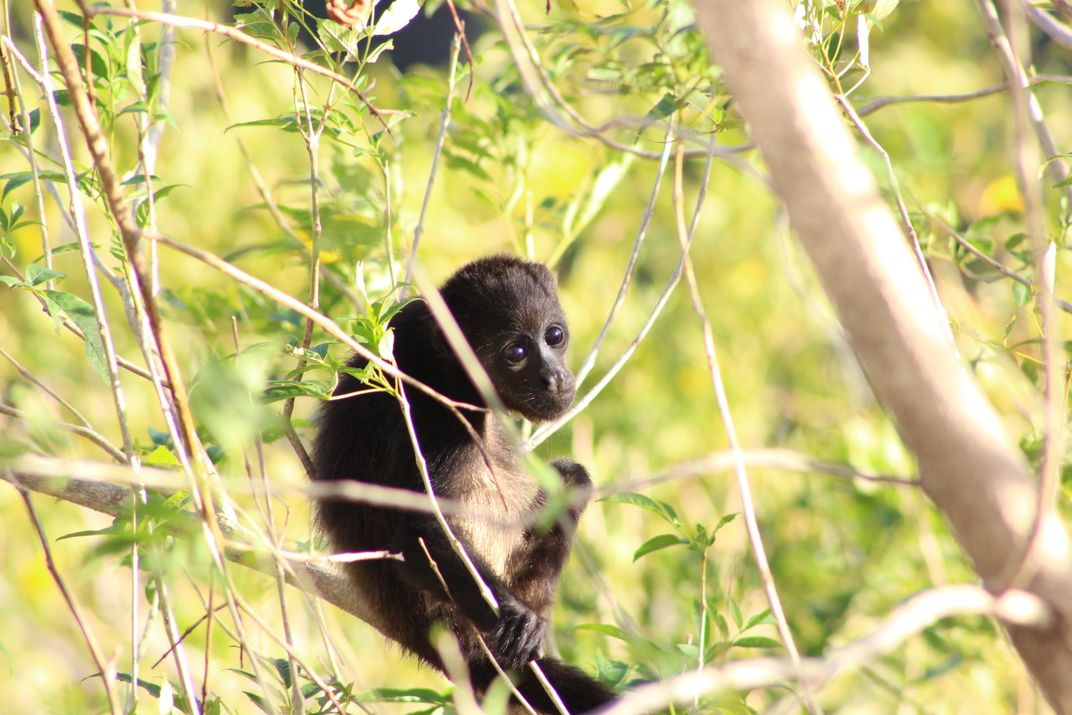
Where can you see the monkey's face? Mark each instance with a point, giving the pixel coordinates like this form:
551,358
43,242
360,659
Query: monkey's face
528,369
508,309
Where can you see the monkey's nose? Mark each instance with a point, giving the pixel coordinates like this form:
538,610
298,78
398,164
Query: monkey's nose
557,382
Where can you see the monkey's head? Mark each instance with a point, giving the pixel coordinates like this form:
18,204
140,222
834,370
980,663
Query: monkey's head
508,309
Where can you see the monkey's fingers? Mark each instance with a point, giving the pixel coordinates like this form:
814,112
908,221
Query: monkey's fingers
518,637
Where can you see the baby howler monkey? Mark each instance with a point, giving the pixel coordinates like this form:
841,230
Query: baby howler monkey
508,311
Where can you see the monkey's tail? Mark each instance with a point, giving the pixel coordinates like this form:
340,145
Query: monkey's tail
579,692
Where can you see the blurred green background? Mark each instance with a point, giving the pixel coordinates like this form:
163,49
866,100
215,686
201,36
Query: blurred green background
843,552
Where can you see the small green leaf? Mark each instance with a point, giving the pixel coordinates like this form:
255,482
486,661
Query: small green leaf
756,642
724,520
161,457
763,617
260,702
84,317
735,611
1021,294
150,688
664,108
606,629
658,542
37,274
408,695
662,509
284,389
18,178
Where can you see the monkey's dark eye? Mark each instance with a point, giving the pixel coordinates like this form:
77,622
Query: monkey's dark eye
554,336
515,352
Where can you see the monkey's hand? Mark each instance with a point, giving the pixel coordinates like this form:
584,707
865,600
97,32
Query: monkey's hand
576,479
518,635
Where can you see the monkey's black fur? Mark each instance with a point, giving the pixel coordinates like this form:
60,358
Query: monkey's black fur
509,312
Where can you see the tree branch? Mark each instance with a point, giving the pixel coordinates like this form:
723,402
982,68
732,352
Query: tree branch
323,580
915,614
967,463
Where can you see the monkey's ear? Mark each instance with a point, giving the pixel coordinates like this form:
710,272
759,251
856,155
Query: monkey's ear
430,328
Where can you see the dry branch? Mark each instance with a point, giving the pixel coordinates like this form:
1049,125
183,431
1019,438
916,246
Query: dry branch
334,587
326,581
967,464
911,617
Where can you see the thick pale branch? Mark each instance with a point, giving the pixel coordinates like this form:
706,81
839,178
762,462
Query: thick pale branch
967,464
917,613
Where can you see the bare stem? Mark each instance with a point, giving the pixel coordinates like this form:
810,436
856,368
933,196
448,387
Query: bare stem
105,669
755,539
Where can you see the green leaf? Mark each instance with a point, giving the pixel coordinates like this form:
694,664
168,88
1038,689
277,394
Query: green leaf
756,642
257,24
85,318
606,629
37,274
664,108
763,617
286,121
260,702
284,389
150,688
408,695
658,542
18,178
1021,294
725,520
662,509
161,457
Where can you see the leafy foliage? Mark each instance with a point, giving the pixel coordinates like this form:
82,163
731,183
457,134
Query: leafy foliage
297,179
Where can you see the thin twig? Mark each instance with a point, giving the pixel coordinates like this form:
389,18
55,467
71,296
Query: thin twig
551,102
988,260
31,157
239,36
444,122
781,459
259,182
1057,30
902,211
911,617
581,404
328,691
45,388
325,323
426,481
105,669
311,136
459,29
645,220
755,539
190,629
88,433
1015,74
12,96
1053,354
882,102
130,234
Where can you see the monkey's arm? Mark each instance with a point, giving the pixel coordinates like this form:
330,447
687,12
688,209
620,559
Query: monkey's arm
536,567
514,635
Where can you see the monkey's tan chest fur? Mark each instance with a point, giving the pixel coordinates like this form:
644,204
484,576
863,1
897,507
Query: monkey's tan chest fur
500,502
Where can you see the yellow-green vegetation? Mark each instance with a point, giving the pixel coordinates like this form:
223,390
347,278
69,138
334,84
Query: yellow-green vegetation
273,169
